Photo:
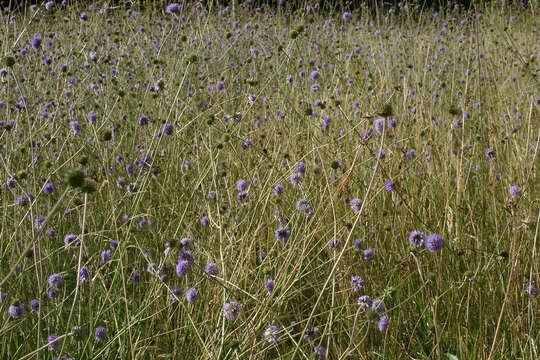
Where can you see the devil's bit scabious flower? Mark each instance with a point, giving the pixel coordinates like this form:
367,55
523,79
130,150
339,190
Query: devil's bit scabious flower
383,323
356,205
271,334
357,283
434,243
232,310
175,293
100,333
269,283
282,234
515,191
416,238
191,295
211,269
54,342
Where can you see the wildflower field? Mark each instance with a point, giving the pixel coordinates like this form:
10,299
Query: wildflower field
188,181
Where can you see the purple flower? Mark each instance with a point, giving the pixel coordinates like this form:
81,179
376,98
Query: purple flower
48,188
434,243
182,268
242,197
314,75
36,42
321,351
326,123
515,191
136,276
55,280
383,323
105,257
100,333
295,178
220,86
191,295
84,274
173,8
301,167
378,124
389,186
530,289
271,334
369,254
347,16
410,154
75,127
364,302
378,306
231,310
211,269
34,305
16,310
357,283
359,244
269,283
49,5
416,238
54,342
490,154
205,221
278,190
175,293
71,240
84,16
282,234
315,88
168,129
242,185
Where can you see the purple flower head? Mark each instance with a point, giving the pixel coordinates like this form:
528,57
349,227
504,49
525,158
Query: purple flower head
282,234
278,190
143,120
100,333
326,122
211,269
269,283
220,86
75,127
55,280
242,185
410,154
242,197
271,334
515,191
315,88
84,16
205,221
16,310
173,8
232,310
490,154
364,302
84,274
182,268
49,5
53,294
378,124
530,289
359,244
295,178
434,243
168,129
314,75
71,240
347,16
105,257
48,188
392,123
378,306
301,167
383,323
416,238
389,186
321,351
136,276
92,117
54,342
36,42
357,283
186,242
34,305
303,206
369,254
191,295
175,293
334,243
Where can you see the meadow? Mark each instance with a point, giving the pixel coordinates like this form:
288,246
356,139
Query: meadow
205,182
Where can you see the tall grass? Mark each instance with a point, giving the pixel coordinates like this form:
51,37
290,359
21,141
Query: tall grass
448,87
